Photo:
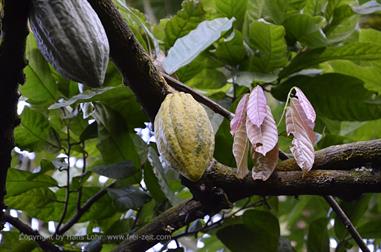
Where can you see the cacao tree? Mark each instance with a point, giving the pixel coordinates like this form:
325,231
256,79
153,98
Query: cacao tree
210,125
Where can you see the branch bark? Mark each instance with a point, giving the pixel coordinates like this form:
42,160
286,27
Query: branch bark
12,62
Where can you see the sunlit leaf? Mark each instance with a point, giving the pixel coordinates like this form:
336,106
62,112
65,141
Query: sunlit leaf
306,106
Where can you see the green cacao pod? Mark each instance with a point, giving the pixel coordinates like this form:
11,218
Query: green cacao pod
184,135
72,39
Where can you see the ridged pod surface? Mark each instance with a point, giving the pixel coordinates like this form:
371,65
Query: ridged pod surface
72,39
184,135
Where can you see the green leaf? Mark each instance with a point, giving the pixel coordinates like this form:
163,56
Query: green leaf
305,29
318,238
335,96
16,242
117,170
40,87
370,229
33,132
370,35
232,8
115,142
370,75
190,15
22,181
269,45
128,198
314,7
91,131
190,46
259,231
30,200
152,184
231,49
365,131
163,177
87,95
357,52
208,78
275,10
343,25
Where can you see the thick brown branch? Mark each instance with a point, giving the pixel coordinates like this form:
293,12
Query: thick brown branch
131,59
342,157
12,62
25,229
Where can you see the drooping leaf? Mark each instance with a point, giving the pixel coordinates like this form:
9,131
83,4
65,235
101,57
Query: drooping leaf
190,46
302,144
265,137
117,170
256,106
128,198
305,104
240,115
241,149
367,8
264,166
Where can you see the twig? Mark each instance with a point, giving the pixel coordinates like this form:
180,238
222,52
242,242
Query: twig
25,229
84,157
86,206
67,196
176,84
12,62
347,222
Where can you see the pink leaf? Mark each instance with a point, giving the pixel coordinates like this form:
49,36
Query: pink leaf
265,137
240,150
264,166
302,144
256,106
240,114
307,107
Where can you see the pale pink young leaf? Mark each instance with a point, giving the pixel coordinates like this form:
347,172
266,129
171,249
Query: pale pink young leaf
264,166
302,144
307,107
265,137
240,150
240,114
256,106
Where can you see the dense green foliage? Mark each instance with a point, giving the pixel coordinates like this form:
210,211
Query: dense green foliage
320,46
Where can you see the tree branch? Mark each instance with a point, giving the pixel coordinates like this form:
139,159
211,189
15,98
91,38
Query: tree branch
133,62
86,206
12,62
25,229
347,222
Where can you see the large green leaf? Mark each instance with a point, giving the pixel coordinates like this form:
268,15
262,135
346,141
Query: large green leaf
40,87
269,45
231,49
258,231
128,198
232,8
343,25
370,75
187,48
115,142
358,52
318,239
305,29
17,242
190,15
117,170
33,132
335,96
21,181
275,10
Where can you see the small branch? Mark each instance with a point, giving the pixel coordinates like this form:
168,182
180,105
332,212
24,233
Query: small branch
12,62
86,206
25,229
347,223
84,157
217,108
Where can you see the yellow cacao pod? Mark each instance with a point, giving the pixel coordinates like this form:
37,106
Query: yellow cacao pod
184,135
